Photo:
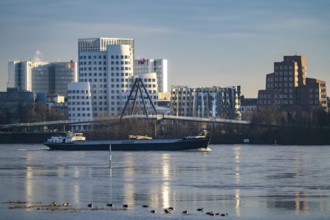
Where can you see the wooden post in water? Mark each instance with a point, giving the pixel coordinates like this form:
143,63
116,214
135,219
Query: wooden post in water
110,157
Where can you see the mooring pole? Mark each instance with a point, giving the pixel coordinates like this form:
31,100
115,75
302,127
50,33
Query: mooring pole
110,157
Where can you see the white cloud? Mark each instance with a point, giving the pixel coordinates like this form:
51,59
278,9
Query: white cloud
38,55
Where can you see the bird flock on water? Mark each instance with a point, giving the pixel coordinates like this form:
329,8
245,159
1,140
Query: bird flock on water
111,206
167,211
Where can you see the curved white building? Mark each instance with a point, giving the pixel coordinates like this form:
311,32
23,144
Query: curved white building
119,77
107,64
79,103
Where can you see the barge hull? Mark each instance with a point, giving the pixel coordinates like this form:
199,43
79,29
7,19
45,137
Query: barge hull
133,145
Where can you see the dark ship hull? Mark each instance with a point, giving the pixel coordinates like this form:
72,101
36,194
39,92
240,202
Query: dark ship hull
134,145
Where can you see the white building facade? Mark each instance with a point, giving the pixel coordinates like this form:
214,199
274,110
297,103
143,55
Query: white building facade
107,64
143,91
120,77
79,103
150,83
159,66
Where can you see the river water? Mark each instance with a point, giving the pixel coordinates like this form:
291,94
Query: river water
239,181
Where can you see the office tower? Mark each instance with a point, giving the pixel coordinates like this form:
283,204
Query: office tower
41,76
15,104
107,64
60,75
206,102
288,86
159,66
20,74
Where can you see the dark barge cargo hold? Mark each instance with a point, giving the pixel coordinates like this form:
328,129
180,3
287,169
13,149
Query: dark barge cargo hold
76,142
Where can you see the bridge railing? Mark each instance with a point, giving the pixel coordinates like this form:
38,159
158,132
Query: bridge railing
196,119
156,117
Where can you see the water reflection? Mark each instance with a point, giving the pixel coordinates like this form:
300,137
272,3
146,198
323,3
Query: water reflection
76,194
166,178
49,180
237,152
297,202
296,172
278,180
129,177
28,184
159,191
300,201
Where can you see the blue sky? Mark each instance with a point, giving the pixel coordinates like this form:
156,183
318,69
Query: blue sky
207,43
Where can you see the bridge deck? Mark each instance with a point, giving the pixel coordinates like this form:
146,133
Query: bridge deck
155,117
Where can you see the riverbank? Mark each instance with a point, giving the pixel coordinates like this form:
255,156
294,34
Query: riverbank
26,137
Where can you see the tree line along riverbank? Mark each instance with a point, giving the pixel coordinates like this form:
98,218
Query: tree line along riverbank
224,134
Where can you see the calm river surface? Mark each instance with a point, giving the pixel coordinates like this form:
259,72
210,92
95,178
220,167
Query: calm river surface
245,181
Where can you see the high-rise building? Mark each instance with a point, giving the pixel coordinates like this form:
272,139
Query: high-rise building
79,103
159,66
107,64
60,75
206,102
41,76
288,86
14,105
20,74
